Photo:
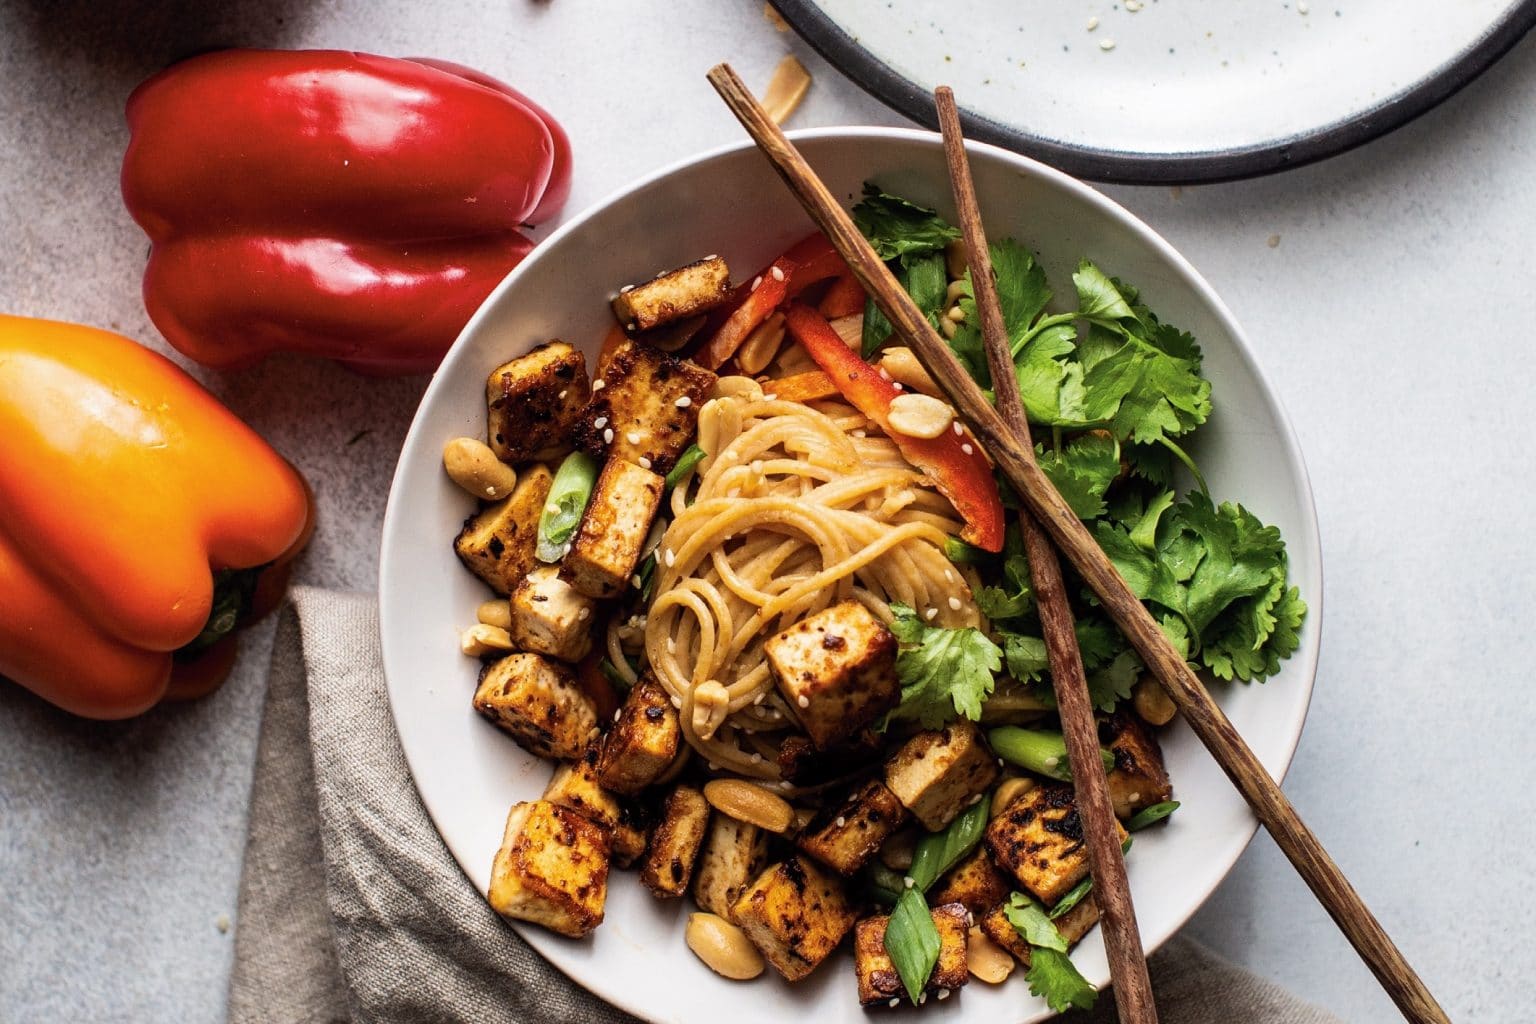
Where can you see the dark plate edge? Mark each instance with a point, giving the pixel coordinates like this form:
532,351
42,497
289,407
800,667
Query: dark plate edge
1121,167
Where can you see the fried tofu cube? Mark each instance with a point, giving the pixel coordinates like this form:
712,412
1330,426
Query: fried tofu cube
644,408
575,785
497,543
878,981
613,529
795,914
938,773
643,741
802,764
1039,840
1072,925
678,294
837,671
974,883
845,836
538,703
552,869
1139,778
534,401
551,617
676,843
733,854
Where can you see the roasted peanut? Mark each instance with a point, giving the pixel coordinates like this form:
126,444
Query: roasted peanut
988,961
1152,702
734,386
850,329
919,416
904,369
761,345
786,89
495,613
473,466
956,259
482,640
750,803
1007,792
711,703
897,851
724,948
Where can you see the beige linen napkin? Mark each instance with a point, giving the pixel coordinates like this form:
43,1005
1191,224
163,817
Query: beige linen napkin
351,908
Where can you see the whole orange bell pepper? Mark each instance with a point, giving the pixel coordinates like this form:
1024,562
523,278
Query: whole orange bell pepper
141,522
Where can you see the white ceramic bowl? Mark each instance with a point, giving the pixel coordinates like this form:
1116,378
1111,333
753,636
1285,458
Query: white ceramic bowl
730,202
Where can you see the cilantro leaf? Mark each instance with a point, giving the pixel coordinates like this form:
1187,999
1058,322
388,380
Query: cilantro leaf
1050,383
1026,656
1032,923
1082,470
1097,296
1098,640
1111,684
899,229
1053,977
944,673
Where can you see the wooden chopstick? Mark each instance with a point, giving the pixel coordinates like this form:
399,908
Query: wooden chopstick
1205,718
1111,888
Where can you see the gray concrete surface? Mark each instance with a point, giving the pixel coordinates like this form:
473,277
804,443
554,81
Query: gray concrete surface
1393,315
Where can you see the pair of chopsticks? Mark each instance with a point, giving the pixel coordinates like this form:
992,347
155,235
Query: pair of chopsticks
1005,433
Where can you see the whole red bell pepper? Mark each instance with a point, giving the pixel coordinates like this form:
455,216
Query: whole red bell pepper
141,522
341,204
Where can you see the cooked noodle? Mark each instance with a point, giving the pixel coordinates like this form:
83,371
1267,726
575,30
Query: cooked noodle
795,508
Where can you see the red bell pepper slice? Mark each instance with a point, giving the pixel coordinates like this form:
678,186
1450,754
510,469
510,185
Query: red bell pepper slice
763,297
953,461
811,386
845,298
815,260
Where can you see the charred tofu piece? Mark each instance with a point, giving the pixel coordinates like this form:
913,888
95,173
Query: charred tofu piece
534,401
643,741
836,670
613,530
539,704
845,836
795,914
1139,778
939,773
974,883
802,764
676,842
551,617
552,869
878,981
689,290
575,785
1073,925
644,408
1039,840
733,854
497,543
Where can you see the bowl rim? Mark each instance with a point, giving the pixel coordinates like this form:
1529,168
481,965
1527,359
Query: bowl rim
395,531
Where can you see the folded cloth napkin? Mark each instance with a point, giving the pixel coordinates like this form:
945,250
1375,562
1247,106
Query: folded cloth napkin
351,908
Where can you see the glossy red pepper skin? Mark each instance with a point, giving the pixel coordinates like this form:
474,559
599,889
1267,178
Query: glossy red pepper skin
954,461
339,204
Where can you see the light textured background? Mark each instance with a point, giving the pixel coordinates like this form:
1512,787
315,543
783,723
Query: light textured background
1393,315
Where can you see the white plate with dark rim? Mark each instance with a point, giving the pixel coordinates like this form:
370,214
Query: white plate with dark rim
729,201
1163,91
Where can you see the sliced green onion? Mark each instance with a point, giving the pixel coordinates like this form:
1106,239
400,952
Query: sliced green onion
883,885
961,553
611,672
691,457
1151,815
1043,751
912,942
568,497
937,852
1073,897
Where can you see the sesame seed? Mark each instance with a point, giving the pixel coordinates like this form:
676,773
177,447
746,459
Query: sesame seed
756,757
898,386
967,448
551,508
713,767
645,463
930,614
975,799
562,394
1051,762
669,557
1000,763
908,881
633,437
771,398
895,1001
954,604
803,701
922,999
949,575
778,275
608,436
1135,798
1093,23
757,465
491,491
959,430
1106,45
599,384
626,289
600,423
671,646
1133,5
684,402
759,698
584,614
617,712
634,581
943,994
859,434
755,282
841,821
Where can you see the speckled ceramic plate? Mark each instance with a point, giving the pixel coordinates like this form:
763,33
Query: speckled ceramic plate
729,201
1166,91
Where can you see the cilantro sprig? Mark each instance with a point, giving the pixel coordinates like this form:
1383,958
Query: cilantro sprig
943,672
